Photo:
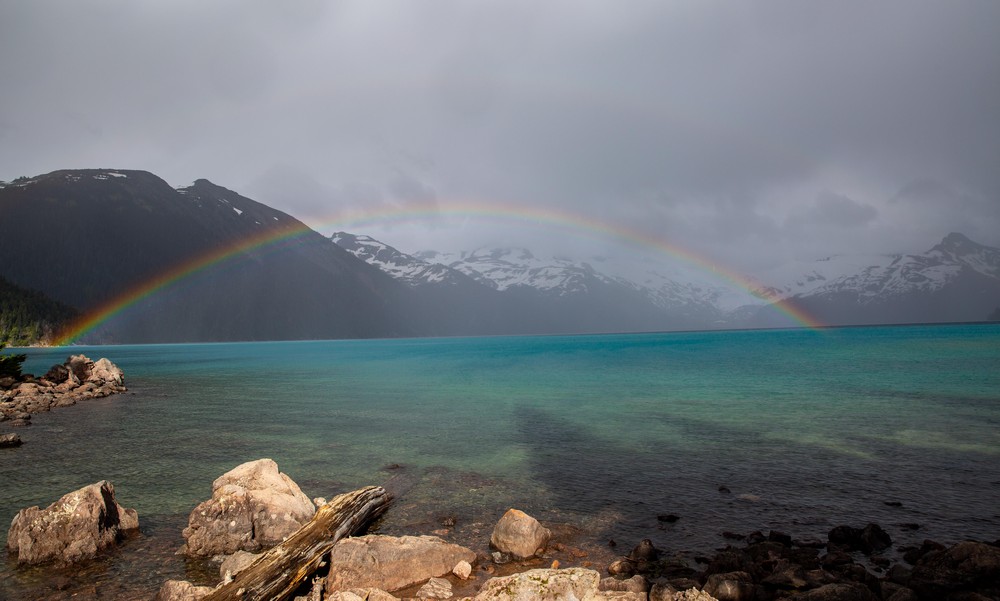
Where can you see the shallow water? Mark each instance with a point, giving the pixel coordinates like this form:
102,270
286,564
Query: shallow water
599,434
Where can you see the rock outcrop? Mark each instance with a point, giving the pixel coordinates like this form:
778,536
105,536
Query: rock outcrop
76,527
519,534
77,379
392,563
9,441
253,507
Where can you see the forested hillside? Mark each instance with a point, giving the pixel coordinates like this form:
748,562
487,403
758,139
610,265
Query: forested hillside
29,317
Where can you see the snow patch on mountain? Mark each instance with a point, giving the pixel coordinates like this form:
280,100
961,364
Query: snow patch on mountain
407,268
876,277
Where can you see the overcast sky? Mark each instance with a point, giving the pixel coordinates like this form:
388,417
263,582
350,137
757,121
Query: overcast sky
748,132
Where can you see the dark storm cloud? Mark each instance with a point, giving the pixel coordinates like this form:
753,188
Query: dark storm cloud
749,132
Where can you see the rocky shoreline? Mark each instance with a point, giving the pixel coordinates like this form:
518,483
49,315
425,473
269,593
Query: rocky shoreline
256,512
77,379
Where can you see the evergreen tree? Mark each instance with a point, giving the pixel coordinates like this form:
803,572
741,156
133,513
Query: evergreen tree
10,365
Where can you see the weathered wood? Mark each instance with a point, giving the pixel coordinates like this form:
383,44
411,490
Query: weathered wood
280,571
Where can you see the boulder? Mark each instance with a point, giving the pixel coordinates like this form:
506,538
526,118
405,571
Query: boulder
80,365
870,539
9,440
731,586
519,534
391,563
58,374
106,373
967,566
462,569
75,527
543,585
253,507
635,584
181,590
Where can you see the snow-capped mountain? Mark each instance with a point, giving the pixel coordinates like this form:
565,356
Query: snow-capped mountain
877,276
956,280
596,287
504,268
665,286
406,268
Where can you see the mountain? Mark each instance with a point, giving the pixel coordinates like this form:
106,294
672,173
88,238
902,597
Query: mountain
203,263
510,291
655,299
529,293
956,280
93,238
412,270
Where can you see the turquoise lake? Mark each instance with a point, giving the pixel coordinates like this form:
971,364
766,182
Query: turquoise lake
795,430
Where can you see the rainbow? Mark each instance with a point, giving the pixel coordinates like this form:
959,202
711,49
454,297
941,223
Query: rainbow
565,220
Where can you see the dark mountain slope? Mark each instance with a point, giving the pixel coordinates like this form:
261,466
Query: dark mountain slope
88,237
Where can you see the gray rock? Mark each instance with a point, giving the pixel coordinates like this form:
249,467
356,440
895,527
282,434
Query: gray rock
73,528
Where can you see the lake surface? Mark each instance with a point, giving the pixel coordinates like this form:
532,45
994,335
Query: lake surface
796,430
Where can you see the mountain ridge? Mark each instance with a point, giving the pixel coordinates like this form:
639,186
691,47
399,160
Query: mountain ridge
956,280
89,238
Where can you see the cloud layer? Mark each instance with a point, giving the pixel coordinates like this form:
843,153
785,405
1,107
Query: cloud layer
752,133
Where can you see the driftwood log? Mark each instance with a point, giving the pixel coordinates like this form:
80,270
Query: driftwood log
280,571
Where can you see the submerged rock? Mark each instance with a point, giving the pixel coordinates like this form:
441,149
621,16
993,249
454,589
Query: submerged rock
76,527
236,563
870,539
392,563
519,534
253,507
181,590
9,440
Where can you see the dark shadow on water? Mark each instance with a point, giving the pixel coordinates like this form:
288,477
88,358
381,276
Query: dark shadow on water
722,478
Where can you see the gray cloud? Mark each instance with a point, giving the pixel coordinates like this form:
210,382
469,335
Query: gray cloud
750,133
835,210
